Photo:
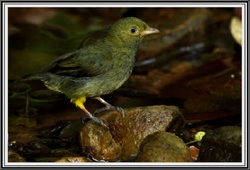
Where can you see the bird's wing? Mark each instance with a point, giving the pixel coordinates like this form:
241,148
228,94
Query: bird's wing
58,60
89,61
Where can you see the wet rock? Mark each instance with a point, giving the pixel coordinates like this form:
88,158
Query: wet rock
163,147
183,26
71,158
62,154
224,85
122,140
74,159
14,157
220,92
221,145
71,130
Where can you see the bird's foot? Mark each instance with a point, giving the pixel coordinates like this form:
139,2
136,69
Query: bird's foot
108,107
116,108
95,119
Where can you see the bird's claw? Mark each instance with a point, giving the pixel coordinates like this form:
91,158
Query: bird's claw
119,109
99,121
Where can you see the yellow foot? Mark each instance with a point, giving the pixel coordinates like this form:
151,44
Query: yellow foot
80,103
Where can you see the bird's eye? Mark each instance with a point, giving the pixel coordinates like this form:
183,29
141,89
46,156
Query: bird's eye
133,30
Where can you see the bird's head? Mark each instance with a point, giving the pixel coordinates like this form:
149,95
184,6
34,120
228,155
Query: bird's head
129,31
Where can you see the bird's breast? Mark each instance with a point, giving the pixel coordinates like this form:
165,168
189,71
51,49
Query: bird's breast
122,67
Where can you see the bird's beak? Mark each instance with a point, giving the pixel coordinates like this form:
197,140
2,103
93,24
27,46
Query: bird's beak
150,31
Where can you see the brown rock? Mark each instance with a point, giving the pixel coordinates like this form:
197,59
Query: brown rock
125,134
73,159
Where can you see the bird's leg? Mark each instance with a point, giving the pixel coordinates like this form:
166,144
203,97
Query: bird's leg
108,107
80,103
95,119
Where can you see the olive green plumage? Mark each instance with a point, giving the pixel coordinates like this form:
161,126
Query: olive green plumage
99,68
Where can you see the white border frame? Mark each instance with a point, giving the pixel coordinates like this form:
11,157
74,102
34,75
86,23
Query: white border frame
7,5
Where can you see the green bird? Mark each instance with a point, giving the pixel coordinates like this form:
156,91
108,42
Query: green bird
99,68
